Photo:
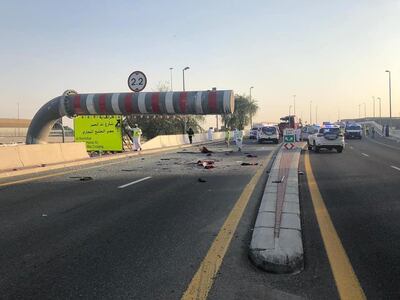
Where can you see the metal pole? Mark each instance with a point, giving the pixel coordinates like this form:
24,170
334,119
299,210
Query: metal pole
373,110
18,116
380,109
183,78
310,113
316,114
170,71
251,115
294,104
184,117
290,108
365,110
390,98
359,111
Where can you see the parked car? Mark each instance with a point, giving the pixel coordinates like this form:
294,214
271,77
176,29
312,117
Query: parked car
307,130
328,137
268,134
254,130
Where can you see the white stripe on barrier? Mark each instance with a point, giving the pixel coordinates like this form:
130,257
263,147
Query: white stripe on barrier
199,107
141,102
114,103
226,101
169,105
90,104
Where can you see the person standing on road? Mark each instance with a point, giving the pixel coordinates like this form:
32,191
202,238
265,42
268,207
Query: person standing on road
190,133
136,134
210,133
239,139
227,137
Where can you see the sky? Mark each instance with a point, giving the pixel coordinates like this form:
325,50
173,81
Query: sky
332,54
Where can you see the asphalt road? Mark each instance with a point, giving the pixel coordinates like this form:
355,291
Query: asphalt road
360,188
137,229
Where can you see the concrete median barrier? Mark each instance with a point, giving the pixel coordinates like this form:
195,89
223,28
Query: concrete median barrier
28,156
162,141
9,158
276,245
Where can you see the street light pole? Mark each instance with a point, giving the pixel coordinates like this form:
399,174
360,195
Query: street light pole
373,110
390,98
251,115
359,111
380,107
294,104
316,114
183,76
170,71
365,110
310,113
290,109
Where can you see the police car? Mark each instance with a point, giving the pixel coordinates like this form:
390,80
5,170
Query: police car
328,137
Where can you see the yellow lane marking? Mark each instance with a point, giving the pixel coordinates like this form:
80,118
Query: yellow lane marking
203,280
61,173
346,280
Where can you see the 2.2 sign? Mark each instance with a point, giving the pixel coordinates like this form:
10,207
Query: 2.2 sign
137,81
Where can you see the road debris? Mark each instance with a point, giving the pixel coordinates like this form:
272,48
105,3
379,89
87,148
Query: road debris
205,150
248,164
201,180
82,178
207,164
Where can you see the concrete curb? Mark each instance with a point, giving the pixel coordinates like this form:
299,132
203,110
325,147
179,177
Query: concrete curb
280,252
94,160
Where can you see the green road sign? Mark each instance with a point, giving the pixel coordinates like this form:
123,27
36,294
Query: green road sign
288,139
100,133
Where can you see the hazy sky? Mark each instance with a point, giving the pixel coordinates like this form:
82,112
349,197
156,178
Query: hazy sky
333,53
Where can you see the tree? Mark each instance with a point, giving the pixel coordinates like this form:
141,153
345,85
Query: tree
244,110
153,125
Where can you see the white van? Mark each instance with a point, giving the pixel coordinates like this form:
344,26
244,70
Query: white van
269,133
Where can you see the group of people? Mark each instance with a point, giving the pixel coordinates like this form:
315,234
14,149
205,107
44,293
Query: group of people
135,135
238,137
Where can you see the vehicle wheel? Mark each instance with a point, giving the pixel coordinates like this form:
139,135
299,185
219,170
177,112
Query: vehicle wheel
315,148
276,141
339,149
309,147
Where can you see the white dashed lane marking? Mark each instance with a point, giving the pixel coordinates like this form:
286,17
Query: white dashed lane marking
396,168
134,182
365,154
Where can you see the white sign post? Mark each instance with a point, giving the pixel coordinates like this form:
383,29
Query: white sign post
137,81
289,138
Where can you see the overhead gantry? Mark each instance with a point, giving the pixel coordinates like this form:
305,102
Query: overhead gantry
160,103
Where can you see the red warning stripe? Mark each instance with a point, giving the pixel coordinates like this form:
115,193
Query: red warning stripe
155,102
212,101
182,101
77,105
128,103
102,103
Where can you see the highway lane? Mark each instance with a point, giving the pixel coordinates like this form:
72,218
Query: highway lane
138,229
360,190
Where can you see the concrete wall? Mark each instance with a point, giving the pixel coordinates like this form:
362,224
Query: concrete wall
179,139
25,156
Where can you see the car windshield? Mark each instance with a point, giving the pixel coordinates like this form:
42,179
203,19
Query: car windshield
269,130
353,127
332,130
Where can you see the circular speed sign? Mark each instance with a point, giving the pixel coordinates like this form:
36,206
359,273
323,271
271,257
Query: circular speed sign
137,81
